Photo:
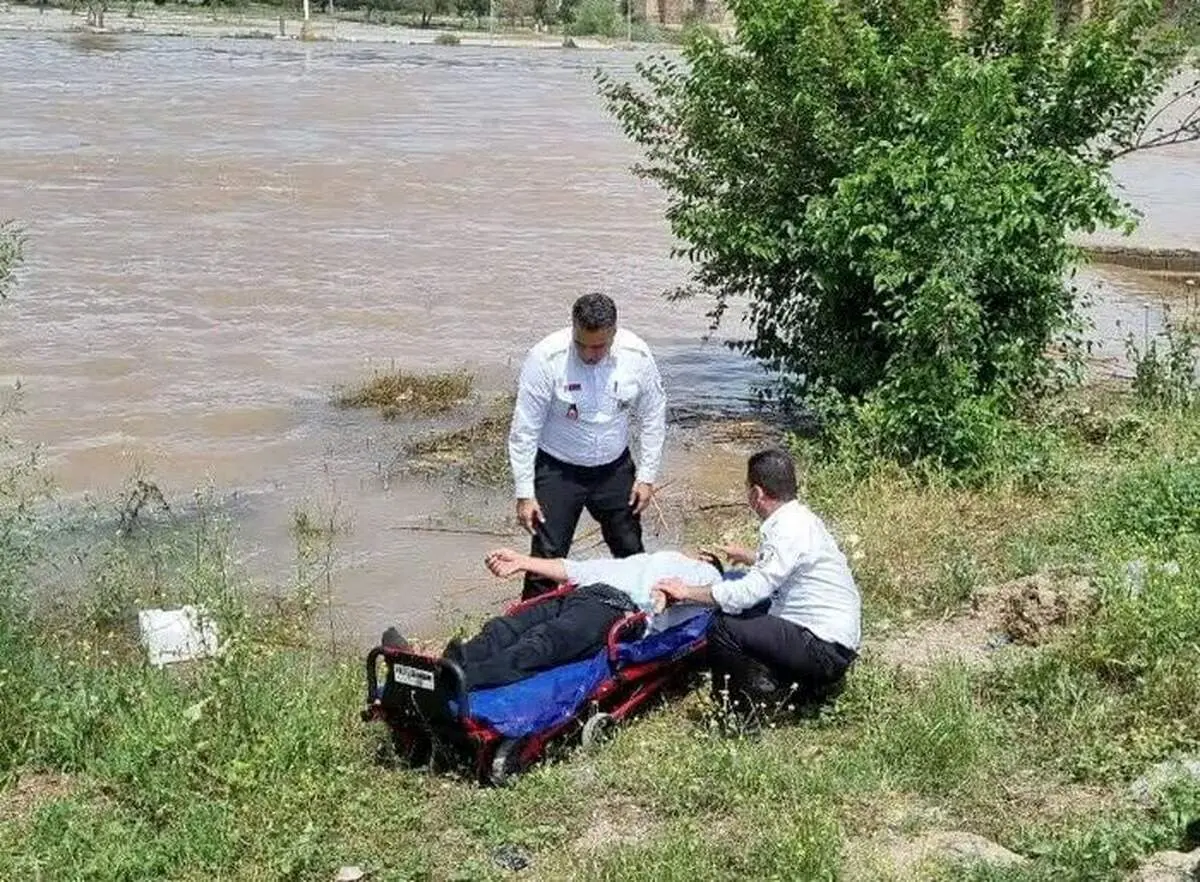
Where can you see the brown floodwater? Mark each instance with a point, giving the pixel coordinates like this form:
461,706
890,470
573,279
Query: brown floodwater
222,232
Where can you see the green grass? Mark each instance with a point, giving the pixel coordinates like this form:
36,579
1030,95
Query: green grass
255,765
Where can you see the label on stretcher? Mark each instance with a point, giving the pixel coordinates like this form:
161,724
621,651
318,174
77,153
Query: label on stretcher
414,677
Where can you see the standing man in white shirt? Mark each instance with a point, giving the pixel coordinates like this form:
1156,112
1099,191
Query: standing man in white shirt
791,626
569,441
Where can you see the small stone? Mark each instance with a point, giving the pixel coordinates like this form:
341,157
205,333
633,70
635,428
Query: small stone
350,874
997,640
510,858
1168,866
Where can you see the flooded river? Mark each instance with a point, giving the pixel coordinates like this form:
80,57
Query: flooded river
222,232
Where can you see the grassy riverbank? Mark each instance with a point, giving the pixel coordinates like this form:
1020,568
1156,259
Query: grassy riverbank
255,766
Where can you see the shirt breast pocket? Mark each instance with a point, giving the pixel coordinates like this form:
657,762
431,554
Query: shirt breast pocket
565,403
623,395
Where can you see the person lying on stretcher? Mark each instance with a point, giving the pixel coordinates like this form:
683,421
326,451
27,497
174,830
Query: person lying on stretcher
574,626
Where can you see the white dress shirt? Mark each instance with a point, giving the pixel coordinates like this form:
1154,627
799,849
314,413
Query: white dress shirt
579,413
636,575
805,575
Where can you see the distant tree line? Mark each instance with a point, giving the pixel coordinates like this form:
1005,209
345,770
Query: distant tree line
596,16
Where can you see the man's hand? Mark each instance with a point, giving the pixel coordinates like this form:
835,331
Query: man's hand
640,496
672,588
529,514
739,555
504,562
658,600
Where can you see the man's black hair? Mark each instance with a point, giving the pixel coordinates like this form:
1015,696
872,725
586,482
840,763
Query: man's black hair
709,558
594,312
774,471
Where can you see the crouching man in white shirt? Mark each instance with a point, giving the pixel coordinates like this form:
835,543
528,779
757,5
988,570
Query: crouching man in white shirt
790,627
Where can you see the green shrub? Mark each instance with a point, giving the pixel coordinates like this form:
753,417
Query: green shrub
893,201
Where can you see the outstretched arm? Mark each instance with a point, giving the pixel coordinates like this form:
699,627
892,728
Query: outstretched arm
504,562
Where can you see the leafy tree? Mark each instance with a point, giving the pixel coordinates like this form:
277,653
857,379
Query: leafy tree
595,18
513,11
426,9
476,9
892,196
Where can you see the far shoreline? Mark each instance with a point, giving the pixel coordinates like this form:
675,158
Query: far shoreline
254,22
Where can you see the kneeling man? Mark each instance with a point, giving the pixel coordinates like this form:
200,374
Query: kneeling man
792,622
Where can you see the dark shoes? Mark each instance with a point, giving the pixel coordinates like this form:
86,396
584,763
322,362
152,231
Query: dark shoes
394,639
454,651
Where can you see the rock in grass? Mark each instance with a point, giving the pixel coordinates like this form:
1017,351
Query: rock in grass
889,855
350,874
957,846
1169,866
1145,790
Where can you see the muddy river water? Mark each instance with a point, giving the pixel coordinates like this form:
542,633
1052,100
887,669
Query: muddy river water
222,232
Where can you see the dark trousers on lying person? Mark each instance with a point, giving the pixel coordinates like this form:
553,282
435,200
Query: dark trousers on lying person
547,634
758,657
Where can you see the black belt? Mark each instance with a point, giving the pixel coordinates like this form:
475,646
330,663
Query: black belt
554,460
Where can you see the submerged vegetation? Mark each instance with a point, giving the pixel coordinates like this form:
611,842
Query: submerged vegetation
400,393
476,453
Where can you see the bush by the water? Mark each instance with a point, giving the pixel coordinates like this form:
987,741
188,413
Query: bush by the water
899,221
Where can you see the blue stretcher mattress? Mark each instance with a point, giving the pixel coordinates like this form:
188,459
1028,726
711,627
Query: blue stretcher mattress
544,700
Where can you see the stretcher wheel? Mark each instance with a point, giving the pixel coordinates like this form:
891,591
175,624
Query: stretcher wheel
597,730
506,762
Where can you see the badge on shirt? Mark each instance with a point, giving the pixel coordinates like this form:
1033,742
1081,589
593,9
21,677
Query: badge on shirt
572,412
574,387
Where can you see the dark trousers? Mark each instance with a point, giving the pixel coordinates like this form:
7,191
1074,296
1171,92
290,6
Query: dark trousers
544,635
563,491
760,658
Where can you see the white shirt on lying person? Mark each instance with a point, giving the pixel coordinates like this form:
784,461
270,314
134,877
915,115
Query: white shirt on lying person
579,413
636,575
802,571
